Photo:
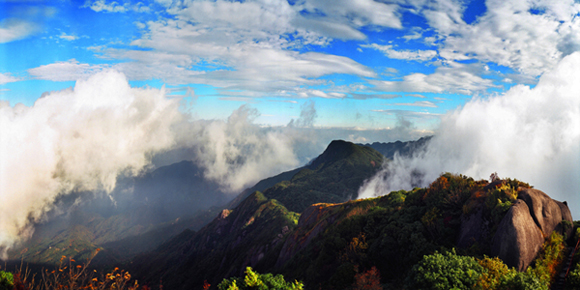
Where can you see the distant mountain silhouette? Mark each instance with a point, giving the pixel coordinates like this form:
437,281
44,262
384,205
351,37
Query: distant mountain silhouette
402,148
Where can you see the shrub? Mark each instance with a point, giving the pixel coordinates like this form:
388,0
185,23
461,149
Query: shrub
493,271
445,271
369,280
6,281
515,280
573,280
253,280
547,264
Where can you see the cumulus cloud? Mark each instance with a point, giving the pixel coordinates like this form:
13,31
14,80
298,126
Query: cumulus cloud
511,33
532,134
236,152
76,139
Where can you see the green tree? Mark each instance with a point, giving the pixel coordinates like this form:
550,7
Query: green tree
254,280
515,280
445,271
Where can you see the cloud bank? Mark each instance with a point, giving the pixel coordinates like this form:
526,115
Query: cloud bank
85,137
532,134
77,139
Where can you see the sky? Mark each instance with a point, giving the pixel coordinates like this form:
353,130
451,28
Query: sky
362,64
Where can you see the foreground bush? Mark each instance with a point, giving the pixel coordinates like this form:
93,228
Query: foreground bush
445,271
253,280
452,271
6,281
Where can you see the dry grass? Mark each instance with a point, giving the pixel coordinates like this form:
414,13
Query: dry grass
69,275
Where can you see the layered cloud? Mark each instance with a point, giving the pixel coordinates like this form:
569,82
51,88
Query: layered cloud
70,70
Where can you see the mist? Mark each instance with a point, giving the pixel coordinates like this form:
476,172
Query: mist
84,138
532,134
78,139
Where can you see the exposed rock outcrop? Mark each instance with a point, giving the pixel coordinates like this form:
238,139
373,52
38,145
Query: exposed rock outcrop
532,218
518,239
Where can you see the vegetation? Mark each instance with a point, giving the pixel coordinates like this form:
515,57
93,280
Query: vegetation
452,271
6,281
71,276
445,271
333,177
305,227
257,281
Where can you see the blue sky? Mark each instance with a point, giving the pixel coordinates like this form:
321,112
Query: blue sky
362,63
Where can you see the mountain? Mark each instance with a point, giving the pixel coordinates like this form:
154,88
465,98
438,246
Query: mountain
139,215
254,231
147,210
402,148
304,224
330,245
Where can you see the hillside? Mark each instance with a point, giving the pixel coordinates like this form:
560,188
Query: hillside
334,176
139,215
331,244
252,233
145,211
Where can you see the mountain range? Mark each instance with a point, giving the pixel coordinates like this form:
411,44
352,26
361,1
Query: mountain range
172,227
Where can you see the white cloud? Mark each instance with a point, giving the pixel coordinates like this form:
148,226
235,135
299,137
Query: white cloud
417,104
374,96
76,139
7,78
453,78
532,134
13,29
257,66
70,70
417,55
115,7
356,13
68,37
508,34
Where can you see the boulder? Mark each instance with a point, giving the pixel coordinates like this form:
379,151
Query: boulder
546,213
522,231
518,238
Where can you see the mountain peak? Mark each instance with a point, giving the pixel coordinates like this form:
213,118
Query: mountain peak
338,150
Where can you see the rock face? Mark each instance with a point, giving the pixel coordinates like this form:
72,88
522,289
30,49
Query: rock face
522,231
518,239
